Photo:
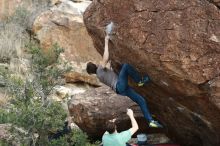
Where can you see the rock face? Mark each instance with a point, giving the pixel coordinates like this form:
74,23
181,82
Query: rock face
63,24
91,109
75,77
178,44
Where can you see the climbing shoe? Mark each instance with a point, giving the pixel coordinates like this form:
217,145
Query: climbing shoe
144,80
155,124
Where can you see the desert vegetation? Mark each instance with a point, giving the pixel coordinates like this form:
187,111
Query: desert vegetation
31,117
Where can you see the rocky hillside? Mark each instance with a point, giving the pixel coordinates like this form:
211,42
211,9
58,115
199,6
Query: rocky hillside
177,42
27,28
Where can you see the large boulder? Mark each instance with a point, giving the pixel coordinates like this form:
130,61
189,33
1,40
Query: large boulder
178,44
77,77
63,24
91,109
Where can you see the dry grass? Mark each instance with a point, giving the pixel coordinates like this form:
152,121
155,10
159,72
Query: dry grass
12,40
13,31
13,35
4,98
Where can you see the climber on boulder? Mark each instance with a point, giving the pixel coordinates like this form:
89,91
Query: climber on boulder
119,83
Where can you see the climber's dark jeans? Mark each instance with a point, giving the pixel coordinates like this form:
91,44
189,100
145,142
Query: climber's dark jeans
123,88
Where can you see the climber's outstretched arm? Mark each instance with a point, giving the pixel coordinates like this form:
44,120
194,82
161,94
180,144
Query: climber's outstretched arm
134,124
105,58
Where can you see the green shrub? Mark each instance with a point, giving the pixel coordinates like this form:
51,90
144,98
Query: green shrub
30,109
33,116
75,138
3,143
79,138
63,141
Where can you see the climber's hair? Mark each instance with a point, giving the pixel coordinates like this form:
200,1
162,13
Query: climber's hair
110,126
91,68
